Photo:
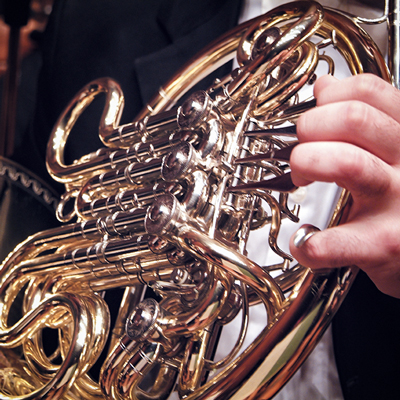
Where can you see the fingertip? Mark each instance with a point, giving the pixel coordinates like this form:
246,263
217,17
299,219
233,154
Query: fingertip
300,243
323,82
305,248
302,126
303,234
297,167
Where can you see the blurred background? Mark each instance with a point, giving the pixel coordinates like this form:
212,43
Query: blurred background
22,23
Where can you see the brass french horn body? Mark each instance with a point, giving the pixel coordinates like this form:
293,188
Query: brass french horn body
165,211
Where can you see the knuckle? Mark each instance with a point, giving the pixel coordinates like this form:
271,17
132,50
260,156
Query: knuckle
368,85
380,178
364,173
391,243
350,164
355,116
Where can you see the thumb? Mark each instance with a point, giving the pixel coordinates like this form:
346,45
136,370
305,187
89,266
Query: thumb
332,248
350,245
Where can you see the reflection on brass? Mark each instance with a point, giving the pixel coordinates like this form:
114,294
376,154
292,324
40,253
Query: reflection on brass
168,204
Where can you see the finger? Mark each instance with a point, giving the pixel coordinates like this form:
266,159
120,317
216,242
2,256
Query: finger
350,167
352,244
366,88
353,122
323,82
333,248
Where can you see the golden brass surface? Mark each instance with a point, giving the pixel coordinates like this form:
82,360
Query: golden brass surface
168,205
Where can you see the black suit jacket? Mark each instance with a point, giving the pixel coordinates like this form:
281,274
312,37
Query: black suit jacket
140,43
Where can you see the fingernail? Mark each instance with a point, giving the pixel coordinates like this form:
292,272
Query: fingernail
304,233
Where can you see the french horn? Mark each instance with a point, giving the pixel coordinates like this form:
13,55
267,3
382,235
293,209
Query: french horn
164,211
